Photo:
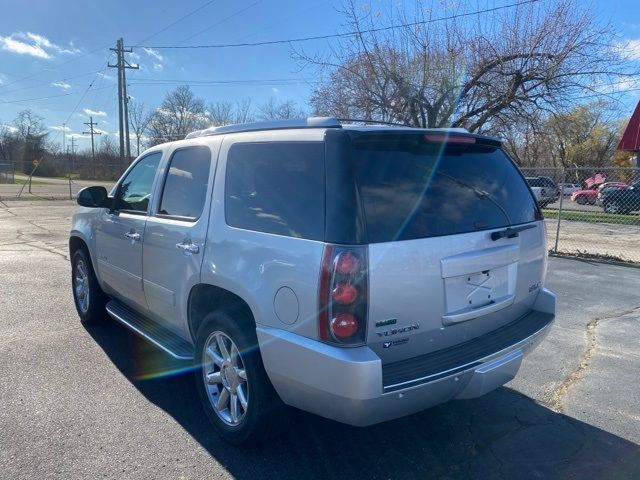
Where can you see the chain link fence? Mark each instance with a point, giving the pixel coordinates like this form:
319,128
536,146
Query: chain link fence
62,183
6,173
590,212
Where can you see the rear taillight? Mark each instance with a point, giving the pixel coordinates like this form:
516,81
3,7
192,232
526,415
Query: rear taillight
342,295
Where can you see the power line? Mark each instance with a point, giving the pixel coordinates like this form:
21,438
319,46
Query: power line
221,21
178,21
39,84
341,35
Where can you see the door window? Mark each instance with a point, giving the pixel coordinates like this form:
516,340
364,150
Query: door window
134,191
185,187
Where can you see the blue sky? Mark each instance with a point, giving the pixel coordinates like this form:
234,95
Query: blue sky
62,45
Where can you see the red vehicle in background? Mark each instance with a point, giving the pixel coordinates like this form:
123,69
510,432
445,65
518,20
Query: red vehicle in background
583,197
595,185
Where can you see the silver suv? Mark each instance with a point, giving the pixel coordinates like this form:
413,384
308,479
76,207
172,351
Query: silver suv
361,273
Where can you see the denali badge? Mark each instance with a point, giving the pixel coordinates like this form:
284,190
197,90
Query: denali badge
393,331
388,344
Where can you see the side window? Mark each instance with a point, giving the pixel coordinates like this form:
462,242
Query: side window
185,187
276,188
134,192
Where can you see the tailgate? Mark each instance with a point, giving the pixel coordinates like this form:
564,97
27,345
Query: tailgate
430,294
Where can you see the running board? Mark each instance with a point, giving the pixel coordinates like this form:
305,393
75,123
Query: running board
161,337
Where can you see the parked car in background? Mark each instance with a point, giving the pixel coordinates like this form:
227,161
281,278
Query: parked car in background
568,188
585,197
621,200
609,186
544,189
302,262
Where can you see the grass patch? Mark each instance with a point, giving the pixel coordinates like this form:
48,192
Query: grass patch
23,181
592,217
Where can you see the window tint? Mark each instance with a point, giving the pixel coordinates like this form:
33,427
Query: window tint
412,189
276,188
185,187
135,190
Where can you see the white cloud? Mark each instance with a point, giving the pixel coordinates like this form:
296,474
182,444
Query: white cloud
105,76
98,113
59,128
34,45
21,48
62,85
157,66
11,128
275,90
78,135
153,53
632,48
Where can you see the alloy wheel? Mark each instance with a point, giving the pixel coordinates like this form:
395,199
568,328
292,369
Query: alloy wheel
81,286
225,378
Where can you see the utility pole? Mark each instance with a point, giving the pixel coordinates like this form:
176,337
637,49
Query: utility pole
71,152
91,131
122,64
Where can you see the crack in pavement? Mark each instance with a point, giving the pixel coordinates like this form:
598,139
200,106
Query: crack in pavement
559,393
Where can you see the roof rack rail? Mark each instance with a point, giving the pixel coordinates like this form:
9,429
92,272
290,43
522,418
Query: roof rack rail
311,122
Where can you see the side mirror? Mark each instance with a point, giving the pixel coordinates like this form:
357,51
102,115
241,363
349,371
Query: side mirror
94,197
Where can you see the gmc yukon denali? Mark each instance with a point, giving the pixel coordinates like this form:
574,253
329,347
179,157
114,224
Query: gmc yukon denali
361,273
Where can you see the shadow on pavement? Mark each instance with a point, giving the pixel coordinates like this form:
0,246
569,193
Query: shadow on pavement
501,435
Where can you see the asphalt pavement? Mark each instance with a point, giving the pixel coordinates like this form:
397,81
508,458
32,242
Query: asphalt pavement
97,402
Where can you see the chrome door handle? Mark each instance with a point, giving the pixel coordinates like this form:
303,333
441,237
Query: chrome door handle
134,237
188,247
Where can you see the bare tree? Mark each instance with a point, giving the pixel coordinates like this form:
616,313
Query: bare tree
274,110
32,134
221,113
469,72
243,112
139,120
180,113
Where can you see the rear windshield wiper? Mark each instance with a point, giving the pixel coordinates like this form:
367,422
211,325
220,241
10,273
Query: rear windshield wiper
510,232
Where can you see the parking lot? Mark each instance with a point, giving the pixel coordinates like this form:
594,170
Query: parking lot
96,402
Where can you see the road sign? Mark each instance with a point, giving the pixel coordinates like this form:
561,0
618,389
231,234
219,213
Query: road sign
35,162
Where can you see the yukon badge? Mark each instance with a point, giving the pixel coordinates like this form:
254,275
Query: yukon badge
394,331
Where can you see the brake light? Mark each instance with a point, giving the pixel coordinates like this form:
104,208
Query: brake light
342,295
344,325
440,138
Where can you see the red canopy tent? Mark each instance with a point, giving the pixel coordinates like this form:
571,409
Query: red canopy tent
631,137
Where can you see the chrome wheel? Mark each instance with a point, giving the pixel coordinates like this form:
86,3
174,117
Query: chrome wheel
81,286
225,378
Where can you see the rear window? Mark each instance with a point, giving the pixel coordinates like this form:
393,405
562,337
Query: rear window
413,189
276,187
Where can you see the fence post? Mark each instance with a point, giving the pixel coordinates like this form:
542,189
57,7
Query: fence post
564,179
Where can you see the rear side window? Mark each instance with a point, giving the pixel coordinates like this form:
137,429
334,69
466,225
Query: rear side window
276,187
413,189
185,187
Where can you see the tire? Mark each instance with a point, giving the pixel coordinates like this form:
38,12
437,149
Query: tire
260,414
612,207
581,200
88,297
